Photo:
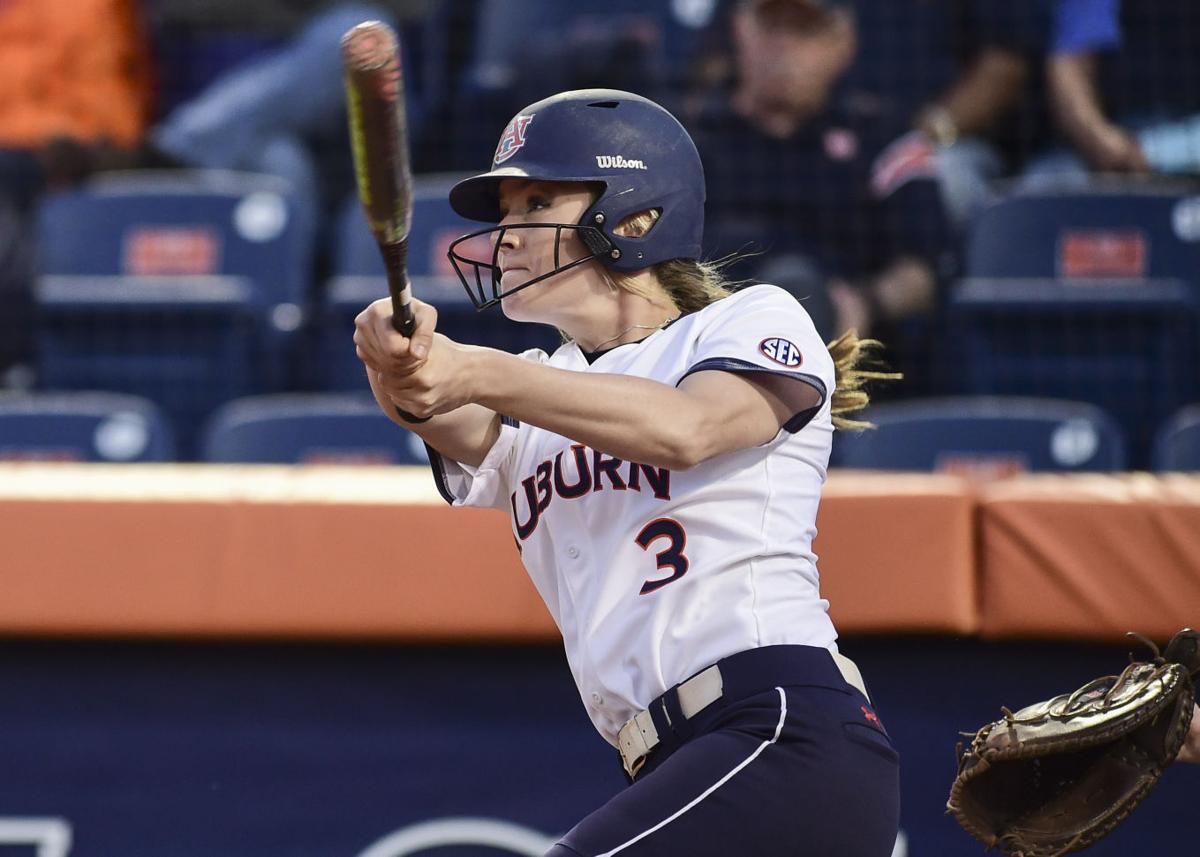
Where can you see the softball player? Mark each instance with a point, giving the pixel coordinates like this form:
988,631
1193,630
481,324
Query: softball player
661,470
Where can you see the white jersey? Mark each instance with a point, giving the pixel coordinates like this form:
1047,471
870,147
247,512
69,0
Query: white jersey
652,574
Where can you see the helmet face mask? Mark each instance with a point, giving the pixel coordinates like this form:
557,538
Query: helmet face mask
635,152
485,289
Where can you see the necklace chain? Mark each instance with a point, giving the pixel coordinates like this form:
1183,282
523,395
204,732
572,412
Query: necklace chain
658,326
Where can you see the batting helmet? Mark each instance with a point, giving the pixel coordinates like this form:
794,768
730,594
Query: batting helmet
630,147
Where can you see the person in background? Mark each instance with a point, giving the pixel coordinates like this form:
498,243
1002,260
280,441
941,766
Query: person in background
75,95
1124,90
281,112
966,73
981,107
828,181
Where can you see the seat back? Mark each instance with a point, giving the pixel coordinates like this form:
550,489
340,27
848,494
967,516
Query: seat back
993,435
1086,296
82,427
308,429
177,231
1129,233
1177,444
184,287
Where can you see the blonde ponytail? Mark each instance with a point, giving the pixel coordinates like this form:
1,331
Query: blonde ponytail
849,396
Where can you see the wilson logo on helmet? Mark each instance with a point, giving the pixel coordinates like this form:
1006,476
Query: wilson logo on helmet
781,351
512,139
619,162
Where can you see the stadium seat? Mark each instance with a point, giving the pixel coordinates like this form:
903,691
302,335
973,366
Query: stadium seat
1177,445
184,287
1089,296
314,428
358,279
82,427
993,436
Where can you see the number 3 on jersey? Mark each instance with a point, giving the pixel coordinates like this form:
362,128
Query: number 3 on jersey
669,557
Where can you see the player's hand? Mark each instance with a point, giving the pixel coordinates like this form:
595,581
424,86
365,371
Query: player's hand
906,288
440,383
1112,149
1191,745
382,349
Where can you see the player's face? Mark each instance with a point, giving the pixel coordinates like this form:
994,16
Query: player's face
787,68
528,253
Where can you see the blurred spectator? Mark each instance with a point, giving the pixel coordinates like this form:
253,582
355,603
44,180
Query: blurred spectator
1124,87
75,99
74,96
525,51
967,71
825,178
282,112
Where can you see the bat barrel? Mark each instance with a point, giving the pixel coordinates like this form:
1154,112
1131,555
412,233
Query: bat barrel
378,130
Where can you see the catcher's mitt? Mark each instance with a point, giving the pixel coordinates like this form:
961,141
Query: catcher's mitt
1059,775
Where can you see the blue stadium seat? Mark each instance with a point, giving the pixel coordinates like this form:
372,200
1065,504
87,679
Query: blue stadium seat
328,428
997,435
184,287
358,279
82,427
1177,445
1090,296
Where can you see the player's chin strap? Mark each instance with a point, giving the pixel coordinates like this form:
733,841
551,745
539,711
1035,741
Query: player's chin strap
598,244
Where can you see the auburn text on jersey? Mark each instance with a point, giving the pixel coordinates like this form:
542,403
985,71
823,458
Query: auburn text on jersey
586,471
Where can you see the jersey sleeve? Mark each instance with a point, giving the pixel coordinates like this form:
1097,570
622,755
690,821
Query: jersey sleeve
486,485
764,329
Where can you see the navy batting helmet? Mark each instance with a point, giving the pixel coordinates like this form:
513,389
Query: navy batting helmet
631,148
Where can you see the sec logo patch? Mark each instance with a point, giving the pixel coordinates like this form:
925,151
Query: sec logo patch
781,351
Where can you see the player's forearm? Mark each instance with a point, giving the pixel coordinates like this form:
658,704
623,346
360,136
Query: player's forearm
1074,101
631,418
464,434
988,89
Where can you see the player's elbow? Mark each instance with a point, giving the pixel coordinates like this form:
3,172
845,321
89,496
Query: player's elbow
685,446
707,432
675,459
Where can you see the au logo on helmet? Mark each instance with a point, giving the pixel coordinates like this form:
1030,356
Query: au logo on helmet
512,139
